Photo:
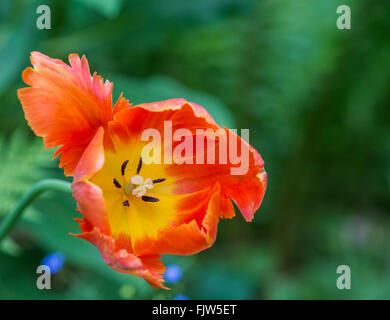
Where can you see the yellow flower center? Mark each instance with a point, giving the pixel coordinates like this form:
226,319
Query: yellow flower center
131,217
138,186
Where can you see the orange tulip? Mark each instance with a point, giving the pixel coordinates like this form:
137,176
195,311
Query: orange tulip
135,210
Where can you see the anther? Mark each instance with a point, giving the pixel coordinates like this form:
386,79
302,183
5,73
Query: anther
123,168
117,184
139,165
126,203
159,180
150,199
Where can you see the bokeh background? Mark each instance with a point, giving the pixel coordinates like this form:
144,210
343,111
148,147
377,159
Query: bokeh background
316,101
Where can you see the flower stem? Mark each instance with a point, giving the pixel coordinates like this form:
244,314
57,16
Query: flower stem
36,190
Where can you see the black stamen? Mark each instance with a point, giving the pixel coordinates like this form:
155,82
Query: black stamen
150,199
123,168
117,184
126,203
159,180
139,165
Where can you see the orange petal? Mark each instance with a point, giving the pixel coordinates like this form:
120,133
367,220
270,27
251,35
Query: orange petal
88,196
245,190
147,267
183,114
193,236
66,105
178,104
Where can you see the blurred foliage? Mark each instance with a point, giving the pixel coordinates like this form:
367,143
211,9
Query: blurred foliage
19,172
315,99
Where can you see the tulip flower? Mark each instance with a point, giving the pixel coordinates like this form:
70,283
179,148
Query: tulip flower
135,209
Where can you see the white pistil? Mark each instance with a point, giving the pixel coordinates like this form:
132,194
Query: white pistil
148,183
140,185
137,180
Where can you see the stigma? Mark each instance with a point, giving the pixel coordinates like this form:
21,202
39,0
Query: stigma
138,186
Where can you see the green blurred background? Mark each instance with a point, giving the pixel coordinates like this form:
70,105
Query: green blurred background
316,101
